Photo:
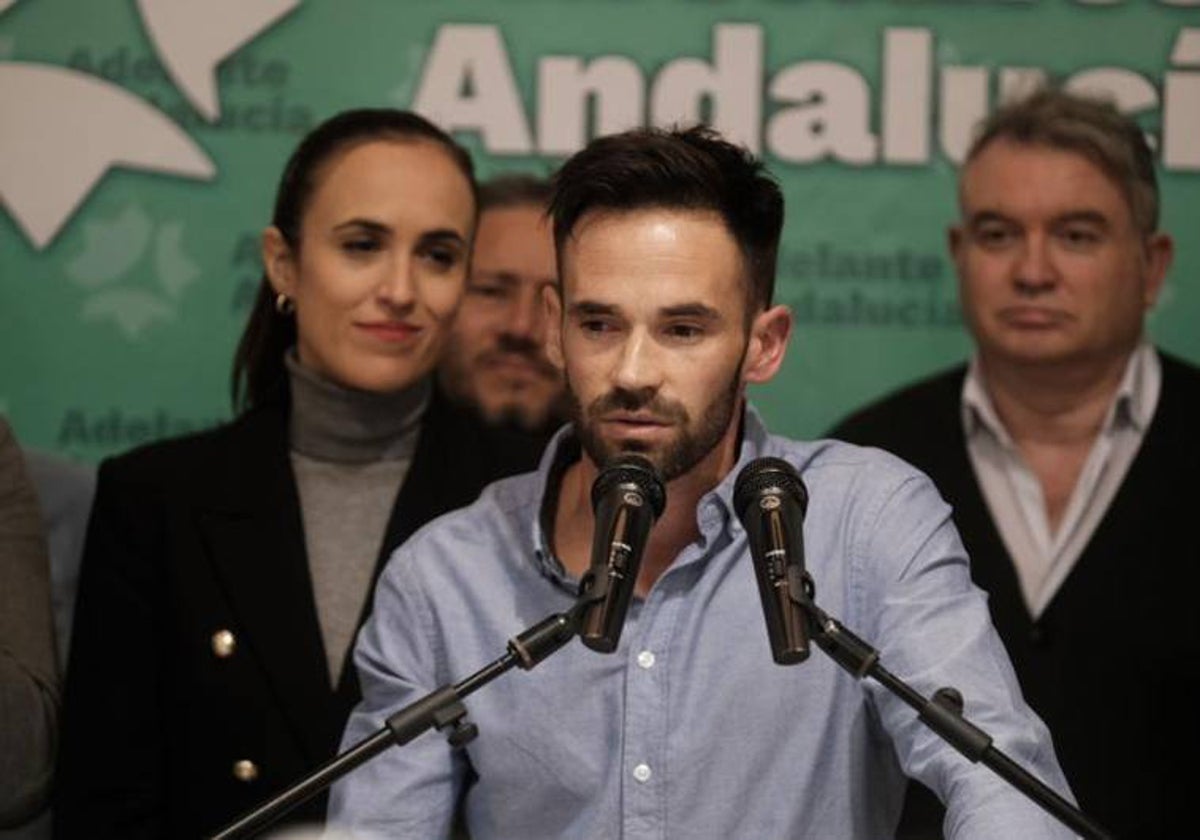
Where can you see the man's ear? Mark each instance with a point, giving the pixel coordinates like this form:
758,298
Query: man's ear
1160,253
955,244
954,240
769,333
552,301
278,262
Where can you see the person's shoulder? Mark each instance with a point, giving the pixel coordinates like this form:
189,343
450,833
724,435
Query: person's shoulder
902,410
63,484
472,554
1180,375
493,451
502,516
195,454
836,466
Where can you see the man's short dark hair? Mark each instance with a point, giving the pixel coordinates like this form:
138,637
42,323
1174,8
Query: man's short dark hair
677,169
1087,126
515,190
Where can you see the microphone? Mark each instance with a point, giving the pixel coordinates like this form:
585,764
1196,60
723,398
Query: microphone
627,497
770,501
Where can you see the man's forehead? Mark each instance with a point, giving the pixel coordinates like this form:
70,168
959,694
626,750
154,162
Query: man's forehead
1009,173
523,213
601,219
653,260
991,163
514,240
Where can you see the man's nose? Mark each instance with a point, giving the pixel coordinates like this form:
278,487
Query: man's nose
637,367
1035,270
525,319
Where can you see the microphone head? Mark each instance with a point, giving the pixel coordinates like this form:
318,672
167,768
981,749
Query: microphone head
763,474
634,470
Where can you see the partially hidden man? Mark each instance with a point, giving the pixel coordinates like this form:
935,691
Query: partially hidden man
1068,449
666,245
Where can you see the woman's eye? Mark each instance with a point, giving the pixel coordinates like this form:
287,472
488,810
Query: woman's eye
443,258
362,245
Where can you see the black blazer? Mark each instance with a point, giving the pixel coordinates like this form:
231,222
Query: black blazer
169,730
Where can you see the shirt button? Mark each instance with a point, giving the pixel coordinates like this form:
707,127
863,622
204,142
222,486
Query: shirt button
245,770
646,659
642,772
224,643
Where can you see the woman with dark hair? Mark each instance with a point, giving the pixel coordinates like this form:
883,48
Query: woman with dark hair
226,573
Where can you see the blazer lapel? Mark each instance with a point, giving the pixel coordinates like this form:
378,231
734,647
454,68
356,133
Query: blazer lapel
254,537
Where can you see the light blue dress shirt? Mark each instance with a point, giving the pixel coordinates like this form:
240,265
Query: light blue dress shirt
689,730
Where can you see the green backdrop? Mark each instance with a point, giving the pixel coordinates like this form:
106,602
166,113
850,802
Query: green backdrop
140,147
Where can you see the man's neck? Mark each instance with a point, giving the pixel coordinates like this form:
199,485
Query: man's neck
574,520
1050,405
1054,415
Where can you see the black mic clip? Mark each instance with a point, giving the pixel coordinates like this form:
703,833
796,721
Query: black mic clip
593,587
801,589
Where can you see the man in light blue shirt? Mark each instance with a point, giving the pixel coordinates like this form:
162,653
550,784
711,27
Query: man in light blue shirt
666,245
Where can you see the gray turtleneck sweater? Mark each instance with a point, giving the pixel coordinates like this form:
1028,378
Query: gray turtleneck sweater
350,451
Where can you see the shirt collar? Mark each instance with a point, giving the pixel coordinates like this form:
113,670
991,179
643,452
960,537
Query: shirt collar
1133,403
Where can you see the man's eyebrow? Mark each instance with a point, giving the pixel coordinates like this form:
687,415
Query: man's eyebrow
983,217
1092,217
509,277
692,310
591,307
1087,215
504,276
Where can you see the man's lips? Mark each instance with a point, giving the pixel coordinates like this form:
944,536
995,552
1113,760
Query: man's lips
520,365
1033,317
634,422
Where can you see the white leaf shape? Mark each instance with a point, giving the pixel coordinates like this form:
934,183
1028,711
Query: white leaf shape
79,126
111,247
193,38
131,309
174,270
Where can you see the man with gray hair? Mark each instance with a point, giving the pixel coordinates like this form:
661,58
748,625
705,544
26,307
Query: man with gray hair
1065,447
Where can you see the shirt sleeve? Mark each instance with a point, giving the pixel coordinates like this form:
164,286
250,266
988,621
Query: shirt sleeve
410,790
29,688
917,604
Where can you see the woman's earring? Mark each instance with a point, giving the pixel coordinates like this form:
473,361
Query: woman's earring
284,305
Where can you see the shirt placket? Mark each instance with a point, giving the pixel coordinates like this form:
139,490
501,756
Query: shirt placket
645,776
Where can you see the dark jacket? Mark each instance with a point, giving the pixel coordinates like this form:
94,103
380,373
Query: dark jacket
169,729
1112,664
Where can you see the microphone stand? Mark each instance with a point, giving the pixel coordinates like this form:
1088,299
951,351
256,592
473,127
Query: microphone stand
441,709
943,714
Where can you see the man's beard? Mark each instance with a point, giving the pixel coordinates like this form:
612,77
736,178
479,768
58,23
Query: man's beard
679,455
465,379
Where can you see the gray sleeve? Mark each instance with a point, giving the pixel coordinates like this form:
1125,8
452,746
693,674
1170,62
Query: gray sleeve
29,687
65,489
